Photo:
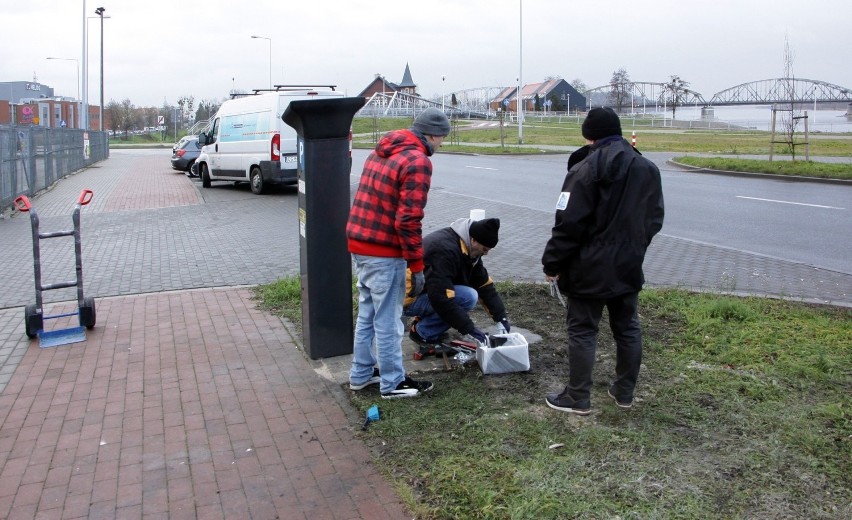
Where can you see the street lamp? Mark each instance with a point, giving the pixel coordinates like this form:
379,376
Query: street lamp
521,75
84,114
100,12
443,97
270,55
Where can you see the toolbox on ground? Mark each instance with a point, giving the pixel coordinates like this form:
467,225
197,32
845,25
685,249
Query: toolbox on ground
504,353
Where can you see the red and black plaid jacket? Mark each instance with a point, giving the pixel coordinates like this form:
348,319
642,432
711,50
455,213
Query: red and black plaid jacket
385,216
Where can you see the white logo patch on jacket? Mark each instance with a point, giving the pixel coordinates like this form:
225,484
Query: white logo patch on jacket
562,203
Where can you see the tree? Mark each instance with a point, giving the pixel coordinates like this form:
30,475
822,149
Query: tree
113,115
556,103
579,86
129,116
675,92
206,109
620,88
187,109
453,100
789,117
537,103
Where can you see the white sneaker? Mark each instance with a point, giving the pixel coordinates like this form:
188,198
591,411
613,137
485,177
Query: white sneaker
409,388
374,380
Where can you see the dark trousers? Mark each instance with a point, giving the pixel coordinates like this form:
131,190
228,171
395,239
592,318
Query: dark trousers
583,318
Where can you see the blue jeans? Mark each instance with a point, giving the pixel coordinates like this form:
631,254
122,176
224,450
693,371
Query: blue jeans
381,290
431,325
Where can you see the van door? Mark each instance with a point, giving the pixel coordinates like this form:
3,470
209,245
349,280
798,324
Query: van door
212,147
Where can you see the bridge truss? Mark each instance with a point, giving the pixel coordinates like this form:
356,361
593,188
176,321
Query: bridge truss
782,90
641,94
469,104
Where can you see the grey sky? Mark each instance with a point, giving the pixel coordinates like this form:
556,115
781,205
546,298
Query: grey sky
158,50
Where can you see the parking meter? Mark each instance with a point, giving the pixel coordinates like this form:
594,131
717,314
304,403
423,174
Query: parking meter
323,127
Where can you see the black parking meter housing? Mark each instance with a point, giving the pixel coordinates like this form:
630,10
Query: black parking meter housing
323,127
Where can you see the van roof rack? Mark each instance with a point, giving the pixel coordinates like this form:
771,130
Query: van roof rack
280,88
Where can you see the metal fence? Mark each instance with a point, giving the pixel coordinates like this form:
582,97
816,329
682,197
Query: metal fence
33,158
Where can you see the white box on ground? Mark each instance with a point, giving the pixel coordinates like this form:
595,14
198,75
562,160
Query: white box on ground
511,356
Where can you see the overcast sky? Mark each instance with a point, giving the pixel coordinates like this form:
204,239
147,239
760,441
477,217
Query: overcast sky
159,50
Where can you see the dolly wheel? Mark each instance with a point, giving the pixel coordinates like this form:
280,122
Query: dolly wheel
33,321
87,313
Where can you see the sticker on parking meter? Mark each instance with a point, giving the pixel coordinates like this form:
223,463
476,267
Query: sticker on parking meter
562,203
302,218
301,186
301,155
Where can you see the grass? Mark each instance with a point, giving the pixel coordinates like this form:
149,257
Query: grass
743,410
567,133
782,167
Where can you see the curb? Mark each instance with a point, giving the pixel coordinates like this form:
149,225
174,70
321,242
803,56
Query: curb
790,178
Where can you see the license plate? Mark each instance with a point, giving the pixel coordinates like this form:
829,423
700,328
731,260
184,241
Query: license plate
289,158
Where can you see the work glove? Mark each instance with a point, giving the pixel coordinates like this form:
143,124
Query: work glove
478,335
418,281
503,326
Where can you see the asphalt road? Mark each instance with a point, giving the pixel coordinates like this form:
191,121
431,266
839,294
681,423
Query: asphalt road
802,222
151,229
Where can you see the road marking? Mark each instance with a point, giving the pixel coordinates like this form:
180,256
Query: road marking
788,202
480,168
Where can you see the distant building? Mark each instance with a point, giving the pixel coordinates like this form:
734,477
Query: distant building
32,103
383,86
555,95
15,91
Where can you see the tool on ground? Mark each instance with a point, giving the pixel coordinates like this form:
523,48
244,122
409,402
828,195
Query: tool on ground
34,313
453,348
372,415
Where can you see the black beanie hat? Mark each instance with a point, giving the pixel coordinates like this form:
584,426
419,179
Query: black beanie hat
432,121
600,123
485,231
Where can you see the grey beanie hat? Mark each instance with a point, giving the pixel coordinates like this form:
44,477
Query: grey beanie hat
432,122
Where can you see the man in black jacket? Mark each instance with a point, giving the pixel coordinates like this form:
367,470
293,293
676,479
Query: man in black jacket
455,280
610,208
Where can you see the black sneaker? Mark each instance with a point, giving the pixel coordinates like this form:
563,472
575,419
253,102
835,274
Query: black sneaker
415,336
621,403
374,380
409,388
563,402
420,340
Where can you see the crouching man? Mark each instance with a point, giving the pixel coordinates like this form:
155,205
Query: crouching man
456,279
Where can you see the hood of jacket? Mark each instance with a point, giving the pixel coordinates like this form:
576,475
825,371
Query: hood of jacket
398,140
462,229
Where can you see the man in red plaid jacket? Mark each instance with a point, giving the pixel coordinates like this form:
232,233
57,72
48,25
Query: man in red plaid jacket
385,238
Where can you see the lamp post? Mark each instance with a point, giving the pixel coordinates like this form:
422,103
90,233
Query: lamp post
521,75
270,55
100,12
443,97
84,114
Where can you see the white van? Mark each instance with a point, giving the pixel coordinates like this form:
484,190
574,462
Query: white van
247,141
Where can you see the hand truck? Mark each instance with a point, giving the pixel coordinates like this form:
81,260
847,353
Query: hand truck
34,314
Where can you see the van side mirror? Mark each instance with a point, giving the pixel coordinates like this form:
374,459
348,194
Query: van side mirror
202,139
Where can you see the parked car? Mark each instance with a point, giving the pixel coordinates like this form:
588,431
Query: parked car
181,141
185,153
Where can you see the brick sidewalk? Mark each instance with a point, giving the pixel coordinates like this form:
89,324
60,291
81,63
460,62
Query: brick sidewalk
189,404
